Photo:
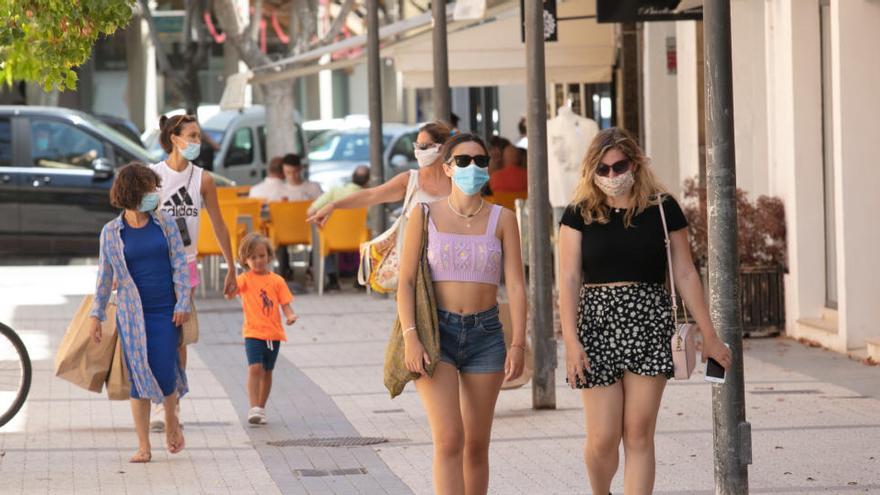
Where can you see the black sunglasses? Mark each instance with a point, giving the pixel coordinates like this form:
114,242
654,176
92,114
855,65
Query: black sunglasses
423,146
620,167
463,161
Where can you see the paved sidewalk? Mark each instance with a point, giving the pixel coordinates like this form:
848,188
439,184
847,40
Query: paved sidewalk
815,415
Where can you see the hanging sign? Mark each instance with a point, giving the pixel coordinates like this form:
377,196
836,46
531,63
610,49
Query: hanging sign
469,10
551,22
644,11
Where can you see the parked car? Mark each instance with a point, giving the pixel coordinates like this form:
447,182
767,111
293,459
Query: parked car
335,154
242,138
123,126
315,128
56,168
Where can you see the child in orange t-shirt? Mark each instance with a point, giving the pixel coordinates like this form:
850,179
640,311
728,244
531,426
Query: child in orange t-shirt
262,294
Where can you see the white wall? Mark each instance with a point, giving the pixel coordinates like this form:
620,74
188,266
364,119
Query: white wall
750,96
358,91
855,38
793,70
660,92
688,112
111,89
511,108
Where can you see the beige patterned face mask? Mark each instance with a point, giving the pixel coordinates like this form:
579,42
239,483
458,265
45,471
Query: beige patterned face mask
617,185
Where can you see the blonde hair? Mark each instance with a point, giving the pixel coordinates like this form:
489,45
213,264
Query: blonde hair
249,244
591,201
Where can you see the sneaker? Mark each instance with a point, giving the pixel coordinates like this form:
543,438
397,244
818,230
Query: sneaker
157,420
256,416
263,416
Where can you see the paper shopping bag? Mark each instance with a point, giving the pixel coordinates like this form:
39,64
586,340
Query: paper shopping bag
118,385
79,359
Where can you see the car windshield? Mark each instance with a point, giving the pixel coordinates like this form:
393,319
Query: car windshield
338,146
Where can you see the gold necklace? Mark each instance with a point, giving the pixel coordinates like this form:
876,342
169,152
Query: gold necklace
466,217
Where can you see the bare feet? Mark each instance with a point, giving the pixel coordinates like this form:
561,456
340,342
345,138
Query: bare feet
141,456
174,439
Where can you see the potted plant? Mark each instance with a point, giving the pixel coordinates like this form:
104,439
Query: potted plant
762,255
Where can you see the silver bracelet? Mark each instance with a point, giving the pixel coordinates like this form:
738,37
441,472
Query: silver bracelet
409,330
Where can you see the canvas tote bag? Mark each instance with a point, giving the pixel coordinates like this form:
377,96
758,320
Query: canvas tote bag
396,375
380,260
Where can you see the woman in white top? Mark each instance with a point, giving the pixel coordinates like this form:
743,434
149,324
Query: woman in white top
433,184
183,192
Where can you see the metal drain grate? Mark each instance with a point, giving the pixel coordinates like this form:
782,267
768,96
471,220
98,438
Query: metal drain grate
328,442
387,411
309,473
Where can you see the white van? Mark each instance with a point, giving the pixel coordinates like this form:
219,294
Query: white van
242,138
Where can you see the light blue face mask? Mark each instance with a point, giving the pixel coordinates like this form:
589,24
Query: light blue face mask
470,179
149,202
191,152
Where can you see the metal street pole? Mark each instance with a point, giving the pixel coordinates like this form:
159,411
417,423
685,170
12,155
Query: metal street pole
733,444
540,252
441,62
374,78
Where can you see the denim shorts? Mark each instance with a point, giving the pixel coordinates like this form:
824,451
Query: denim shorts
473,343
263,352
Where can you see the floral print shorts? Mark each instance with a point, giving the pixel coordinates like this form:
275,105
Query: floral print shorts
625,328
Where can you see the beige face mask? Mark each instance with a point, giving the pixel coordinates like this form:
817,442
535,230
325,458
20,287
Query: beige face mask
617,185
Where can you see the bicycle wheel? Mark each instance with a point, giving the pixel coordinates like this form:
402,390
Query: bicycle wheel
15,373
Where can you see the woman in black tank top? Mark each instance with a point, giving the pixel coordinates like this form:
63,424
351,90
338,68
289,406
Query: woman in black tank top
615,310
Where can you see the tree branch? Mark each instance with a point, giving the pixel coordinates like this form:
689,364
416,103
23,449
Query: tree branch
337,25
246,46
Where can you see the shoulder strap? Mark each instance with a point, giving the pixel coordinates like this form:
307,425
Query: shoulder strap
411,187
494,215
669,260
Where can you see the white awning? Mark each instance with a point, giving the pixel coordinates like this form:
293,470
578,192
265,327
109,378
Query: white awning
492,53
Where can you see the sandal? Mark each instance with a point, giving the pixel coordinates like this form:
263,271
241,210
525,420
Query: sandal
141,457
178,442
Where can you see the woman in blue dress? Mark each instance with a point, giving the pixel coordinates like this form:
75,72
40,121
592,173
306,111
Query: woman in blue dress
142,250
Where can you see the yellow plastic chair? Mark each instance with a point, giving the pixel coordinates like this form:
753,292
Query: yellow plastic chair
506,199
344,232
287,223
247,207
227,194
209,249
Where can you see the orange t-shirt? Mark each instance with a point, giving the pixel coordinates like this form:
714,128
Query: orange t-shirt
511,179
261,298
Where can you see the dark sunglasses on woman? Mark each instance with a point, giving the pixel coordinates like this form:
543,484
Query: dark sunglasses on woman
620,167
463,161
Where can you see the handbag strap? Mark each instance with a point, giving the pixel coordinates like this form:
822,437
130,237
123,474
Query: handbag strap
669,262
410,189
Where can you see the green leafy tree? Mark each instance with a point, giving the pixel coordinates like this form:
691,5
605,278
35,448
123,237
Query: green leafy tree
44,40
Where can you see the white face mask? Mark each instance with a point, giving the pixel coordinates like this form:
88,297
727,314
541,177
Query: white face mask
617,185
427,157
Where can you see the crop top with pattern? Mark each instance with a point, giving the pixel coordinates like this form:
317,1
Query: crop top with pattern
466,257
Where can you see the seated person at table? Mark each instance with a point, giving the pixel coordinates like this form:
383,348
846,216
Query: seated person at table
273,187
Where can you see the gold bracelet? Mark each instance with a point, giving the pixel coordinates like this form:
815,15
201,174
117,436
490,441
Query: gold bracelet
521,346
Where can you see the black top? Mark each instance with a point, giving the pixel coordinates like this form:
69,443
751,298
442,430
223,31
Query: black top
614,253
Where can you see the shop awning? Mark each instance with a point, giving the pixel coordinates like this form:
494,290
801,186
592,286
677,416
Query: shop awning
492,53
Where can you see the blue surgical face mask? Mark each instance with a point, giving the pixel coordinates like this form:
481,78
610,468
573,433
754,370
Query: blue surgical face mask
470,179
191,152
149,202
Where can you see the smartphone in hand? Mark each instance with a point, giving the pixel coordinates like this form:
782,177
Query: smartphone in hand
715,373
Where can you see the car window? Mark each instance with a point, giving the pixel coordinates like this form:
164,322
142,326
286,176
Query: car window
241,149
5,143
60,145
343,146
404,146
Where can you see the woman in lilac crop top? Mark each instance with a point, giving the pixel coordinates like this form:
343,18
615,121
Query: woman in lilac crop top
470,242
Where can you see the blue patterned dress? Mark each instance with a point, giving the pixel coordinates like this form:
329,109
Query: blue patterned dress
137,332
